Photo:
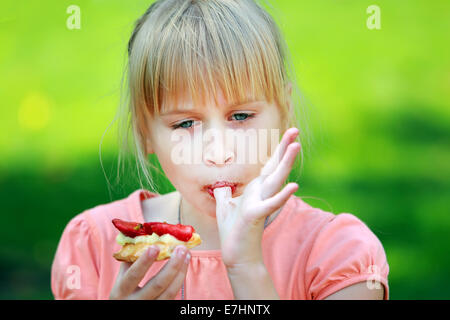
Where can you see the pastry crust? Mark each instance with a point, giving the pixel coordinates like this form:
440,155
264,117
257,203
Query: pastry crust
130,252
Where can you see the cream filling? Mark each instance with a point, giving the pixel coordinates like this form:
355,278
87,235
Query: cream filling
166,238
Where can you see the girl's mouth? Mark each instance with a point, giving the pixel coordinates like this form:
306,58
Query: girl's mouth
220,184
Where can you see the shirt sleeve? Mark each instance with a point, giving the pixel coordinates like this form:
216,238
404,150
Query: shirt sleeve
344,253
74,273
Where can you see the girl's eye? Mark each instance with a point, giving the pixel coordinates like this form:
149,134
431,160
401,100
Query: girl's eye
240,117
183,125
243,116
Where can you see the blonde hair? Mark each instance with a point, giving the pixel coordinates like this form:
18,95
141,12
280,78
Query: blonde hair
193,47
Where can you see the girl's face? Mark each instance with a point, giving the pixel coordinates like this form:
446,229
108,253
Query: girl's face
198,147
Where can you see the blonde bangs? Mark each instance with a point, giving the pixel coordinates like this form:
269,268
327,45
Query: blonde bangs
204,46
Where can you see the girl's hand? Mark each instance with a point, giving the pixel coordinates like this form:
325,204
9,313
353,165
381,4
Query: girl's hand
241,220
163,286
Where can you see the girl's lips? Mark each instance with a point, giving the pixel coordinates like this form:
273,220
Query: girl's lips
221,184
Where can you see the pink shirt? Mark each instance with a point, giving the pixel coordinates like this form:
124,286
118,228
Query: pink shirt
309,253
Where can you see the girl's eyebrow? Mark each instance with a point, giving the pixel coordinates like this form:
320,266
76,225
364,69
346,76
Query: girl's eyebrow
193,111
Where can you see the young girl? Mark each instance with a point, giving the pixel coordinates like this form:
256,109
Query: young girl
196,66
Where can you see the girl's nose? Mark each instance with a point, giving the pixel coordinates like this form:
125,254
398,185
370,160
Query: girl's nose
218,152
219,149
217,157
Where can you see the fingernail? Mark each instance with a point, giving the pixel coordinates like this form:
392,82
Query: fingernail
188,257
152,251
180,251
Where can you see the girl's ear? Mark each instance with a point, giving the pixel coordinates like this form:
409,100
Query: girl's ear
289,94
288,89
148,147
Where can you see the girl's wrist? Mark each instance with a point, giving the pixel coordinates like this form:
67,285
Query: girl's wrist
248,268
252,281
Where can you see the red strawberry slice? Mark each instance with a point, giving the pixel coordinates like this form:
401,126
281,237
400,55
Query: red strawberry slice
130,229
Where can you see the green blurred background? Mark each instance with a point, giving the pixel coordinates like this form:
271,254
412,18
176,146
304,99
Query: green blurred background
378,113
